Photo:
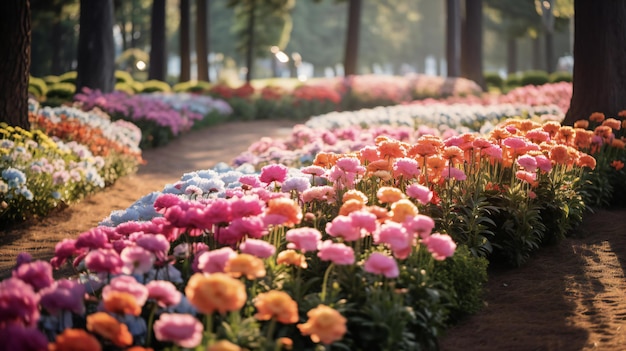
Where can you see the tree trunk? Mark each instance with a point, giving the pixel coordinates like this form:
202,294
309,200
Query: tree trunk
599,54
511,55
133,24
251,39
352,37
96,50
472,44
15,37
158,57
202,39
56,38
453,37
550,64
185,47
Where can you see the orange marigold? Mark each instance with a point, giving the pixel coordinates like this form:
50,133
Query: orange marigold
121,303
245,264
586,161
617,143
216,292
559,154
325,325
387,194
287,208
391,149
292,258
617,164
453,154
354,194
276,304
75,340
108,327
350,206
581,123
596,117
552,128
401,209
613,123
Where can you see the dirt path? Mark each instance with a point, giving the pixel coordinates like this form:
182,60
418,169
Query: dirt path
571,296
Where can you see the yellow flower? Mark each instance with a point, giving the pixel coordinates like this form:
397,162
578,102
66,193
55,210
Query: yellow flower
325,325
216,292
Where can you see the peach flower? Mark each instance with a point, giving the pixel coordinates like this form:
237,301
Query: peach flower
325,325
216,292
247,265
276,304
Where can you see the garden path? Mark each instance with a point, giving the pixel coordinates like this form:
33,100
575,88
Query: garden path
571,296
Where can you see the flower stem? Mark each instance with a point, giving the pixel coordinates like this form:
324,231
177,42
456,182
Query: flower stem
325,282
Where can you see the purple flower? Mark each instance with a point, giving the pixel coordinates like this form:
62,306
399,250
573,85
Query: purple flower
273,173
18,303
19,338
336,253
63,295
303,239
38,274
181,329
164,293
298,184
104,261
258,248
23,257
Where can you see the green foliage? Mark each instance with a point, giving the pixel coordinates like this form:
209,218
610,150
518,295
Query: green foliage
243,108
493,79
59,93
192,87
152,86
125,87
513,81
535,78
51,79
123,77
560,77
68,77
37,87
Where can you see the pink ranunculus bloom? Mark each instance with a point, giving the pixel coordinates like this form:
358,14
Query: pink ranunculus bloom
218,211
337,253
127,284
406,167
214,261
248,205
396,237
529,163
494,151
342,227
104,261
137,260
454,173
420,224
17,337
349,164
420,193
543,163
128,228
182,329
63,250
19,304
258,248
528,177
370,153
305,239
94,238
164,293
251,180
165,201
364,220
320,193
515,143
440,246
65,295
379,263
313,170
273,173
38,274
155,243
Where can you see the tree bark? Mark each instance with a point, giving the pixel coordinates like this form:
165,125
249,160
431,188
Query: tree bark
96,50
251,40
158,57
202,39
599,83
185,47
511,56
453,37
472,44
15,38
352,37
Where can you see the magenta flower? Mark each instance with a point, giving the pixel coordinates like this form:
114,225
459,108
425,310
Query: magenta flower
440,246
258,248
18,303
335,252
104,261
16,337
342,227
63,250
182,329
273,173
419,192
248,205
514,143
251,180
529,163
127,284
165,201
406,167
420,224
23,257
493,151
379,263
218,211
303,239
66,295
364,220
164,293
349,165
157,244
38,274
396,237
214,261
137,260
543,163
94,238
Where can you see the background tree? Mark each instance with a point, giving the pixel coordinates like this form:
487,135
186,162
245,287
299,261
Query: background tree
352,37
202,39
599,55
453,37
158,54
185,44
14,62
472,42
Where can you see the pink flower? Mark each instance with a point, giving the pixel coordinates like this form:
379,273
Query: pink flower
251,180
494,151
303,239
273,173
137,260
16,337
218,211
248,205
182,329
454,173
342,227
18,303
93,239
364,220
350,165
104,261
337,253
420,193
157,244
165,201
440,246
420,224
320,193
370,153
38,274
396,237
127,284
529,177
65,295
406,167
164,293
514,143
214,261
313,170
258,248
543,163
379,263
529,163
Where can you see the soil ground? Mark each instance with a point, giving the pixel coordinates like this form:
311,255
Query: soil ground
571,296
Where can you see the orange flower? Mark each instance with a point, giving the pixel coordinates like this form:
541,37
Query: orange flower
379,165
596,117
276,304
121,303
552,128
586,161
139,348
527,124
325,159
435,164
603,131
325,325
291,257
422,150
565,134
287,208
75,340
109,328
391,149
387,194
617,164
499,134
285,343
350,206
453,154
559,154
583,138
402,209
621,114
216,292
381,213
224,345
354,194
617,143
613,123
581,123
245,264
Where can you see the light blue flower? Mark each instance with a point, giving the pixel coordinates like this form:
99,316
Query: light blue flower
14,175
27,194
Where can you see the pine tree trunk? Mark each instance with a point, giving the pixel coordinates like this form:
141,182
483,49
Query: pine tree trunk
15,39
453,37
599,56
158,57
96,50
202,40
185,47
352,37
472,44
